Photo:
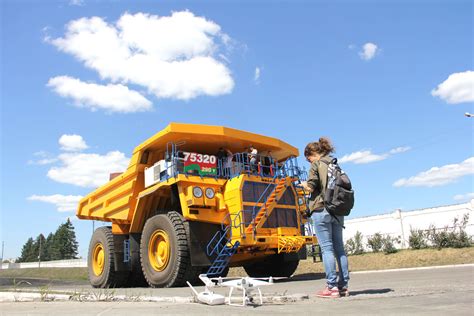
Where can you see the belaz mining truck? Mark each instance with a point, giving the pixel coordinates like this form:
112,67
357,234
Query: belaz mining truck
180,210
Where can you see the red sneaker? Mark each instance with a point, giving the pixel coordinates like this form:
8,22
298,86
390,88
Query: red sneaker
329,292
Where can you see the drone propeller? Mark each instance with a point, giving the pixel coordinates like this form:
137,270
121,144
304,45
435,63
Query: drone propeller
238,278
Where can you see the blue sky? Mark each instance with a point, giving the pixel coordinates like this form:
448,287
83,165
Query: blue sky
388,82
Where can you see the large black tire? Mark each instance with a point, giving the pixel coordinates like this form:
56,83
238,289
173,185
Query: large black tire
274,266
177,268
100,261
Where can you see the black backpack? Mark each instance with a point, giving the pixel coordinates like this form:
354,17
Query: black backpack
339,196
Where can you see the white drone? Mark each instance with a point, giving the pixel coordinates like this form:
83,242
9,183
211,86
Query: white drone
245,284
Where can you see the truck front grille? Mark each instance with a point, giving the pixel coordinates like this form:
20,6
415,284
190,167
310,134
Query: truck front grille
280,217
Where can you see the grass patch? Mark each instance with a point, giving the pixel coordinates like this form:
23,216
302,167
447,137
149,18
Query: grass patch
380,261
46,273
411,259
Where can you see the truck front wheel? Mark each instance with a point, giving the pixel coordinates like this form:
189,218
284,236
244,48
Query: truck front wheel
164,251
100,261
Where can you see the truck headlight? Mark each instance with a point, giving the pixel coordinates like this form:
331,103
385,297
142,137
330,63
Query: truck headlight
300,201
197,192
210,193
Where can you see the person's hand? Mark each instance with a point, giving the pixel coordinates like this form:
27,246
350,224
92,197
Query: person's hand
305,186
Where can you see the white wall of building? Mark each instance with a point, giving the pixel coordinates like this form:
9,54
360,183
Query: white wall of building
399,223
73,263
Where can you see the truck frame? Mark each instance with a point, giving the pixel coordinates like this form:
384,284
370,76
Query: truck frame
178,211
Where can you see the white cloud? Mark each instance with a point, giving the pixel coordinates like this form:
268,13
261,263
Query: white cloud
438,176
78,3
88,170
366,156
458,88
399,150
361,157
63,203
44,161
111,97
72,142
171,56
369,50
256,77
464,197
44,158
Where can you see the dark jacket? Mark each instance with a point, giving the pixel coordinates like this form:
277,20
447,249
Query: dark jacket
317,179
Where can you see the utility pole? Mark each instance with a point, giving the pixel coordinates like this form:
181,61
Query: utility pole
3,247
39,253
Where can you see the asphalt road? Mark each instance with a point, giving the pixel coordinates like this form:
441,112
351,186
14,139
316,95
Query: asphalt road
443,291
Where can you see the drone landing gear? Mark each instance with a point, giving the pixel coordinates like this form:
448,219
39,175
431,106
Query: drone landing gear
246,298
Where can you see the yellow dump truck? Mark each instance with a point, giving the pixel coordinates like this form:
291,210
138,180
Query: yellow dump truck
194,199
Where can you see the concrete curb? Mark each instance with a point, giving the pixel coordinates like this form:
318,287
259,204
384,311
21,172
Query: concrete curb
415,269
104,297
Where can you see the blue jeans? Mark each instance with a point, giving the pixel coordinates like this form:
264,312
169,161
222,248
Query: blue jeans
329,234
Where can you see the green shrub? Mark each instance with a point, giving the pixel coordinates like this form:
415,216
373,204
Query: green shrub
458,238
388,244
438,237
418,239
451,237
354,245
375,242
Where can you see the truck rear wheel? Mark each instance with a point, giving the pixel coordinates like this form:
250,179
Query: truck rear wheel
164,252
100,261
274,266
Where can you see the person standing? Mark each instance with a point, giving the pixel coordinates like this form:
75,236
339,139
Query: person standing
328,227
267,164
253,152
228,162
221,159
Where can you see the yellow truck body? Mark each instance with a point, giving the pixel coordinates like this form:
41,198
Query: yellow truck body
251,213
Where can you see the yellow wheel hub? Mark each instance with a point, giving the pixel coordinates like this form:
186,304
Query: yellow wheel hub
98,259
159,250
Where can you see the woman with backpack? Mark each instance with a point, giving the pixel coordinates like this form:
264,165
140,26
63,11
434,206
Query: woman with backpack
328,226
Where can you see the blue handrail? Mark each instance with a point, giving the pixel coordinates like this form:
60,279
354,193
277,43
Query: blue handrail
266,166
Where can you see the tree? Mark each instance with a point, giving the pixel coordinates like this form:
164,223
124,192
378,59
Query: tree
60,245
64,241
27,252
39,248
51,253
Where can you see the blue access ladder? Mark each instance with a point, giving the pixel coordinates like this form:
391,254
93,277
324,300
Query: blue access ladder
222,246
